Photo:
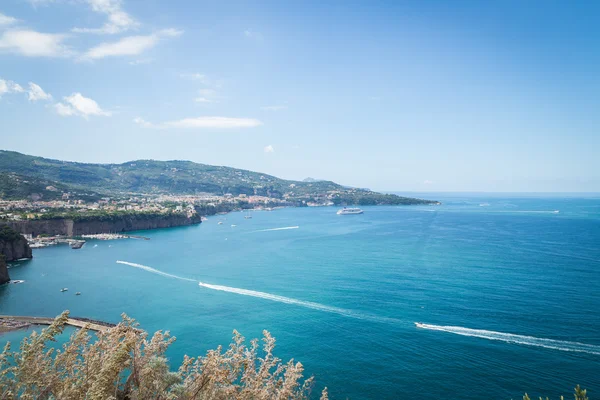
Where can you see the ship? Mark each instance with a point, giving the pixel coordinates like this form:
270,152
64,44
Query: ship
349,211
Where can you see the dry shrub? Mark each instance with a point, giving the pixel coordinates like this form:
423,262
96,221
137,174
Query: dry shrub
122,363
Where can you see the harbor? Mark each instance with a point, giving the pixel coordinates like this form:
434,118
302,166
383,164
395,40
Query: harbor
76,242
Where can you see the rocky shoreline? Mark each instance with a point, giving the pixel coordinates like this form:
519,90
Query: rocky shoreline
13,246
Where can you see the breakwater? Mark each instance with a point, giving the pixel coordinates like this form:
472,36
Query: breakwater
12,322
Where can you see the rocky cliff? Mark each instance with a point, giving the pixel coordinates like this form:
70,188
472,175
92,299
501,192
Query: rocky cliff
3,271
13,246
94,225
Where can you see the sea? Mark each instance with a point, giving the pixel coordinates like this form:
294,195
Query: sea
505,290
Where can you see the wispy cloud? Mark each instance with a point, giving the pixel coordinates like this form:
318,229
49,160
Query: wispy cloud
78,105
428,182
274,108
118,20
34,44
269,149
202,123
36,93
203,100
129,46
6,20
7,87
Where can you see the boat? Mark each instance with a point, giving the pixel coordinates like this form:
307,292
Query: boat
64,289
233,225
349,211
247,216
420,325
78,294
220,223
78,244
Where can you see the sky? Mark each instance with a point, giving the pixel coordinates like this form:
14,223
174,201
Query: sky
422,95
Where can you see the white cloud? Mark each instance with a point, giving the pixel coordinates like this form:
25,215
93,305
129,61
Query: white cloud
36,93
118,20
6,20
34,44
142,122
428,182
7,87
269,149
274,108
80,106
64,110
129,46
202,123
203,100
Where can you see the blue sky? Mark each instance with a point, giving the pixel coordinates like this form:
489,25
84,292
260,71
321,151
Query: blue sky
390,95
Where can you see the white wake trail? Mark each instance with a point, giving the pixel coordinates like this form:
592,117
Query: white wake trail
281,299
288,300
266,296
285,228
518,339
155,271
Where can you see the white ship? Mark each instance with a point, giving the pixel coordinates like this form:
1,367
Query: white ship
348,211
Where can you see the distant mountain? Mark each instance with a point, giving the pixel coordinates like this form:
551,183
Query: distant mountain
178,177
311,180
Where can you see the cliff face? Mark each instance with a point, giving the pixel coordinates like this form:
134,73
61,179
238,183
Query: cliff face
3,271
13,246
70,227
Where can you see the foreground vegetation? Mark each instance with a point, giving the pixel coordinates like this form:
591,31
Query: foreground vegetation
123,363
580,394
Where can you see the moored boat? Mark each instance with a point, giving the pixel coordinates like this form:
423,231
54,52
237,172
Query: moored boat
349,211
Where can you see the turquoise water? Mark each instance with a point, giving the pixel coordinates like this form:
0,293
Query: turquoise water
508,288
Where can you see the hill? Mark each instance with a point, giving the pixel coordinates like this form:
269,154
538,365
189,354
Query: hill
181,177
18,187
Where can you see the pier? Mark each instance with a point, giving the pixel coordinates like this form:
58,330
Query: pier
12,322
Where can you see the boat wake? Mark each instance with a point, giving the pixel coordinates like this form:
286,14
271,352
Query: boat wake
281,299
285,228
517,339
155,271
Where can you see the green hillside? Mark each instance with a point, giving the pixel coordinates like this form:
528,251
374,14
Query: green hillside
17,187
181,177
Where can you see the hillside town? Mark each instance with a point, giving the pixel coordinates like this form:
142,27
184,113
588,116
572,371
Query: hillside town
16,210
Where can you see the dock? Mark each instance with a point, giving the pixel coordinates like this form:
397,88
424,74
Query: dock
13,322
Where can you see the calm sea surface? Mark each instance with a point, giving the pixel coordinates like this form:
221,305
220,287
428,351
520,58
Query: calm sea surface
508,290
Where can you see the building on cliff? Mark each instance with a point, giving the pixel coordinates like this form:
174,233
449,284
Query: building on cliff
13,246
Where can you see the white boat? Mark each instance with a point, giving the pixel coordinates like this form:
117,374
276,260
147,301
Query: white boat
64,289
220,223
349,211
